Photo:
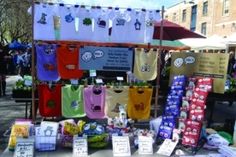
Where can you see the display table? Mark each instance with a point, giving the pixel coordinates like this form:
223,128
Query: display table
95,153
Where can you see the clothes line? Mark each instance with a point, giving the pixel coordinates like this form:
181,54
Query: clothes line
96,7
99,44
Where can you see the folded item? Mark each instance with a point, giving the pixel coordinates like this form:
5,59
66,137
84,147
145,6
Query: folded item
226,151
216,140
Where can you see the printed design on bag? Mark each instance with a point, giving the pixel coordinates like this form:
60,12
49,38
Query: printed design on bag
95,108
75,104
69,18
139,107
101,23
87,56
49,67
116,108
48,131
87,21
137,25
149,22
51,104
178,62
120,22
42,20
146,68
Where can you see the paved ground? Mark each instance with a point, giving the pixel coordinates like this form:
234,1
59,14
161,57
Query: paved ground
9,111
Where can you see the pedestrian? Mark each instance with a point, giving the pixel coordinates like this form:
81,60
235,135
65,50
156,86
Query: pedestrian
3,71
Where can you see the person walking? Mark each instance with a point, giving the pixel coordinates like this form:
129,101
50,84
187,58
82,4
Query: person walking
3,71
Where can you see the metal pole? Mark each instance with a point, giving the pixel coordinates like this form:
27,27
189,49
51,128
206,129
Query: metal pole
33,63
159,63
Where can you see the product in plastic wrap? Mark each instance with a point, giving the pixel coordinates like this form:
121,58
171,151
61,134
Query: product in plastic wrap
18,130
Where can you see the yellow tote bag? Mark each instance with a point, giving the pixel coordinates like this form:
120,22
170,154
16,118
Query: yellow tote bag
145,64
139,105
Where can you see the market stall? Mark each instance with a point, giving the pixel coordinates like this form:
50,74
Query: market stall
104,116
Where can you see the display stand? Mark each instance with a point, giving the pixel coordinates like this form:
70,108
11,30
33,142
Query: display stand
82,43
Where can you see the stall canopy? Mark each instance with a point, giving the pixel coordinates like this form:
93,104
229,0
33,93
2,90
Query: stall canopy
175,44
212,43
15,45
231,39
173,31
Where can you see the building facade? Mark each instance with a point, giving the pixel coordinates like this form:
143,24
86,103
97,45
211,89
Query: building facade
208,17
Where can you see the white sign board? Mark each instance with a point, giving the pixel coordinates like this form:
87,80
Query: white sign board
80,146
121,145
92,73
120,78
74,82
24,148
99,81
145,145
167,147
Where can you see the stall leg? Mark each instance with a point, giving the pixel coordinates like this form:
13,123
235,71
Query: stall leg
211,107
26,110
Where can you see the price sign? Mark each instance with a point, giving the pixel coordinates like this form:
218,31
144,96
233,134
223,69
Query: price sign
99,81
145,145
80,146
121,145
120,78
92,73
167,147
74,82
24,148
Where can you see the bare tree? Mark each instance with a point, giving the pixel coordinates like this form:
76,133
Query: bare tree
15,22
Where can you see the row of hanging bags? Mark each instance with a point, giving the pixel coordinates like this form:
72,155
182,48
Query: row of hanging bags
95,102
57,61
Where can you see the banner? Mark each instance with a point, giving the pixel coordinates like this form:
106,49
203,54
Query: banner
106,58
212,65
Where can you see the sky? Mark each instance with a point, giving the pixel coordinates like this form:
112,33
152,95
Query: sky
148,4
168,3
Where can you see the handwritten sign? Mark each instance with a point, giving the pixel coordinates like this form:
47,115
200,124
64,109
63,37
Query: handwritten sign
99,81
24,148
145,145
80,146
74,82
120,78
106,58
121,145
92,73
212,65
167,147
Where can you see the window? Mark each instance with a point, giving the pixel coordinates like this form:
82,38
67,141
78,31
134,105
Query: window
184,15
174,17
193,22
225,7
204,28
205,8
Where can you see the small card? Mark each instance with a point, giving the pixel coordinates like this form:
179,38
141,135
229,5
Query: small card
24,148
74,81
120,78
99,81
80,146
121,145
167,147
145,145
92,73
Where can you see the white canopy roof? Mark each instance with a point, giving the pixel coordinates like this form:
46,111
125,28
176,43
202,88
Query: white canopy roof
212,43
